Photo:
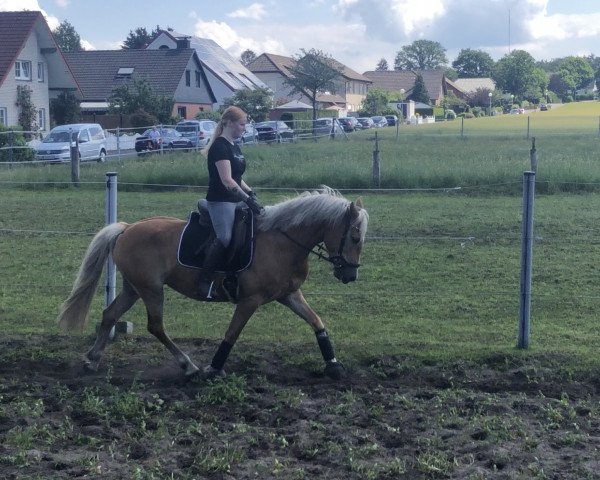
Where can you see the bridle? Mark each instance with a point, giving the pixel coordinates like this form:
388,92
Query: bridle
338,260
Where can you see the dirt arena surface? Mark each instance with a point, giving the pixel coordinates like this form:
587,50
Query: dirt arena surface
520,417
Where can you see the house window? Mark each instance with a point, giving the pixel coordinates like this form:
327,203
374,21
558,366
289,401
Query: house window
187,78
22,70
3,116
182,112
40,72
198,79
41,119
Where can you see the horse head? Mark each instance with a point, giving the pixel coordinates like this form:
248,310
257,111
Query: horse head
344,243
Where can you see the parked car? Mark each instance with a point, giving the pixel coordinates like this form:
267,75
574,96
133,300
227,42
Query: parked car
365,122
56,146
326,126
544,107
250,135
274,131
392,120
348,123
199,131
169,139
379,121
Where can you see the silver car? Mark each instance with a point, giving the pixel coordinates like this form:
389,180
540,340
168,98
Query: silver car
198,131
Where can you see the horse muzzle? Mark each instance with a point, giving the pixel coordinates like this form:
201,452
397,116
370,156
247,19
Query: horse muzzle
345,274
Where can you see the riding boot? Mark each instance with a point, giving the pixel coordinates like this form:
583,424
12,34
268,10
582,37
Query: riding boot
212,258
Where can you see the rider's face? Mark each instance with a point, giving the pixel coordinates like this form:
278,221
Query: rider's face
237,127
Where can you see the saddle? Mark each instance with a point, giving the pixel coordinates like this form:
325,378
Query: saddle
199,234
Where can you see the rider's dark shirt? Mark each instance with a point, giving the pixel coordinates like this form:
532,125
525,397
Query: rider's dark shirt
221,149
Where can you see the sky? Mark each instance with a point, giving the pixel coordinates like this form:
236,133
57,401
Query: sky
357,33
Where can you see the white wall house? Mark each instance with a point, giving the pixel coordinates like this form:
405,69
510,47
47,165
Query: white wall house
29,57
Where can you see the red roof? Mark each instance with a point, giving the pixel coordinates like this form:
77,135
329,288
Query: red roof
15,29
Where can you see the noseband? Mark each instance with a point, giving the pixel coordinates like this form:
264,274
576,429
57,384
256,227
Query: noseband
338,261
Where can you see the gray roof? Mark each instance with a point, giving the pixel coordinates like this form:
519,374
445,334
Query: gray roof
470,85
228,69
97,71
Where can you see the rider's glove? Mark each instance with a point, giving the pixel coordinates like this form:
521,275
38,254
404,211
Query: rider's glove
253,204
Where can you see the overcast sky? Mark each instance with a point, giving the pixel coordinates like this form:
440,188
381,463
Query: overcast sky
357,33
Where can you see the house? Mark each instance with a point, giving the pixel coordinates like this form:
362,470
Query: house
225,74
403,81
29,57
469,86
172,73
274,70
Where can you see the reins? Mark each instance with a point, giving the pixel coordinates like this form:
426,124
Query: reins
338,261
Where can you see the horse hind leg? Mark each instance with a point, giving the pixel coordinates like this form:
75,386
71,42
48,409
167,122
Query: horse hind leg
154,309
111,314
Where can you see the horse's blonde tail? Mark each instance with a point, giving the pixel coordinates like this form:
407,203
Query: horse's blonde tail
75,309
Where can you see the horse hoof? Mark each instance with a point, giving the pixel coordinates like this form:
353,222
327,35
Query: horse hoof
335,370
210,372
90,367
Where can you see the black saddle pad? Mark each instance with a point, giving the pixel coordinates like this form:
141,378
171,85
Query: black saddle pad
198,234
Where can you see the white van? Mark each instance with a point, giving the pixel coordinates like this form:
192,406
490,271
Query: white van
56,146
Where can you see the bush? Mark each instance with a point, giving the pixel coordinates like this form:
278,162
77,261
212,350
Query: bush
142,120
466,115
450,115
212,115
14,137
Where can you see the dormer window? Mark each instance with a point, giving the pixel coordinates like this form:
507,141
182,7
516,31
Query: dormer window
124,72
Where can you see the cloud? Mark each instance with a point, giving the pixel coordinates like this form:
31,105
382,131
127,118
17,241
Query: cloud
227,38
256,11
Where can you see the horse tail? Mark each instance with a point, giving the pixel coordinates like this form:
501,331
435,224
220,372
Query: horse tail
75,309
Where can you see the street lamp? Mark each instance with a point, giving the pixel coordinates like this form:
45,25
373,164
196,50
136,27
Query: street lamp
490,96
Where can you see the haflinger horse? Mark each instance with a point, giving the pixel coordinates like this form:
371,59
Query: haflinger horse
145,253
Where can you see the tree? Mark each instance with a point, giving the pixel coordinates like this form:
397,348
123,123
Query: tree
375,102
247,57
419,92
256,103
579,69
27,110
65,108
473,63
140,96
382,65
139,38
313,72
517,73
67,39
421,55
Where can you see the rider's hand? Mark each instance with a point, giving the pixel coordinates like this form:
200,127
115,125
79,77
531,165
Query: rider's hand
253,204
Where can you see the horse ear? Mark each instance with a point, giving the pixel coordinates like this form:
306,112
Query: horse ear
359,202
354,209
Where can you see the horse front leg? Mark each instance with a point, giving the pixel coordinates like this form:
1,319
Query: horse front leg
296,303
111,314
243,311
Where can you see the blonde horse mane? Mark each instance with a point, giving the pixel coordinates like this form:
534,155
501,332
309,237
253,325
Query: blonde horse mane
307,208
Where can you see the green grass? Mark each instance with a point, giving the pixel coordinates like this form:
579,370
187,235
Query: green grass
491,151
440,275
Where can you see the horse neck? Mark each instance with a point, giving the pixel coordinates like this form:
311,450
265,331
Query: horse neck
308,235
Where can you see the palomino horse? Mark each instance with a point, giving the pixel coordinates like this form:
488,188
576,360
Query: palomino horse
145,253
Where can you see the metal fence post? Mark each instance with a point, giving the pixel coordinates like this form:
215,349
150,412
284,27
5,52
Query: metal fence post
528,119
526,259
111,217
74,158
533,156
